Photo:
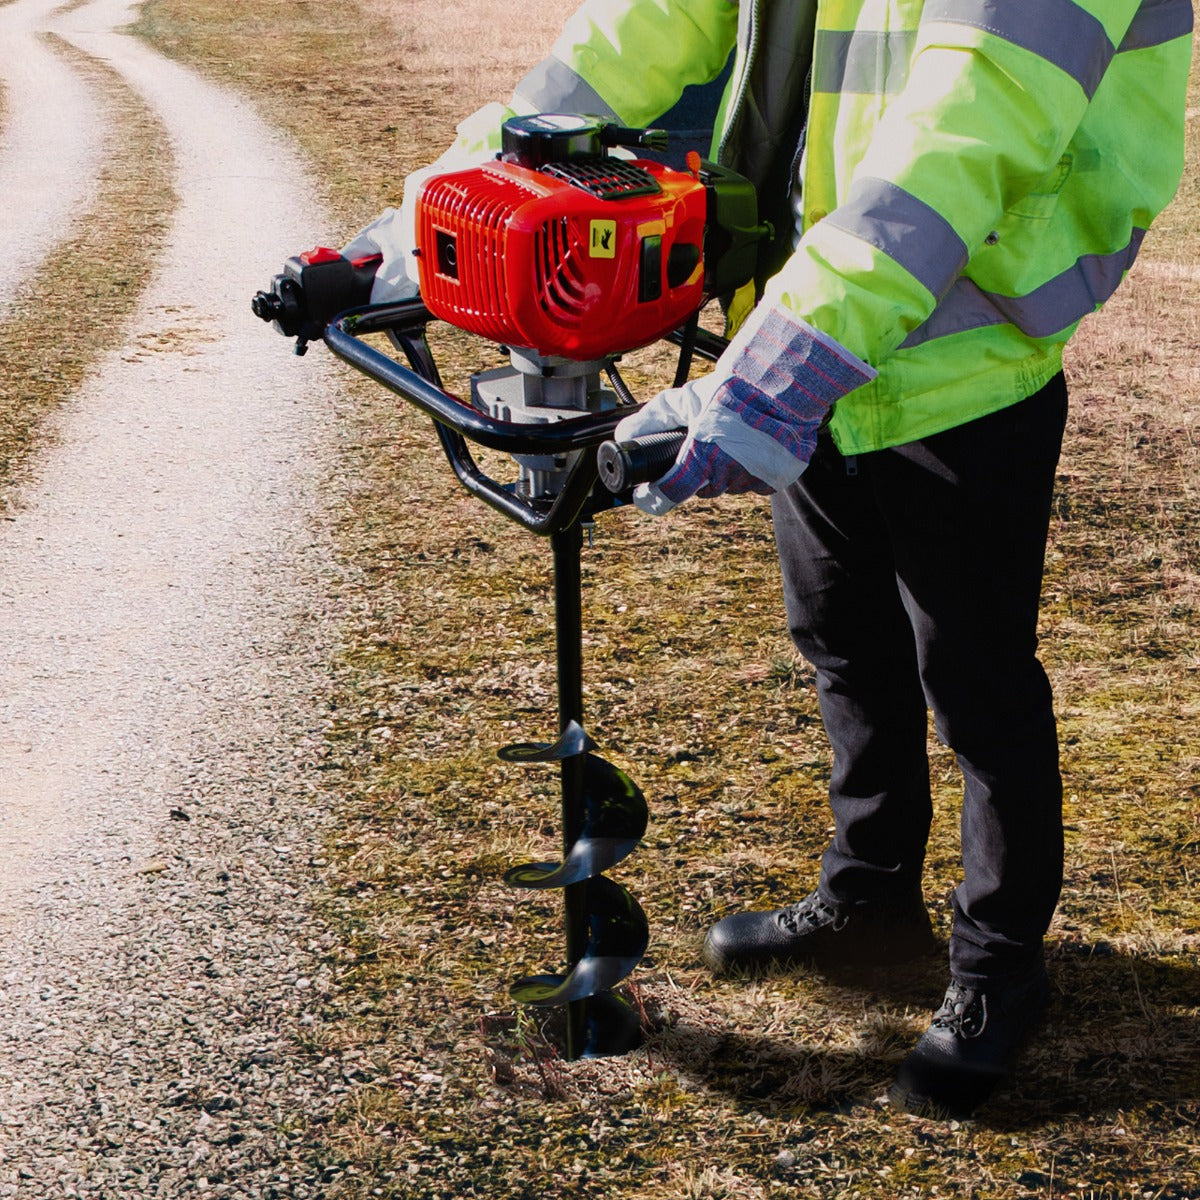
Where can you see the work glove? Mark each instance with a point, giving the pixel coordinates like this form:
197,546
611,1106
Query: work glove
393,234
752,422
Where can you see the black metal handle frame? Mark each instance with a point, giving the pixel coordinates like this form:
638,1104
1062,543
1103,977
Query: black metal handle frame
458,424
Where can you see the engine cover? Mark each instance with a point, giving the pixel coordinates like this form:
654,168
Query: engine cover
583,258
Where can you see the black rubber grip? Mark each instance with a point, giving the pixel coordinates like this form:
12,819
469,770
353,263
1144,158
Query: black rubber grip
623,465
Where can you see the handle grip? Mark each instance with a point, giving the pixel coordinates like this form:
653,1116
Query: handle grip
623,465
313,288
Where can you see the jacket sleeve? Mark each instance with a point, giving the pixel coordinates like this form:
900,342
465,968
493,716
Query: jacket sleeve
994,94
631,59
628,60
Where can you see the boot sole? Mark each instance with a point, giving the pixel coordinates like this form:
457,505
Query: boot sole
917,1105
722,965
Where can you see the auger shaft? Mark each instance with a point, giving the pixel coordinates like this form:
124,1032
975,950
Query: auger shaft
567,546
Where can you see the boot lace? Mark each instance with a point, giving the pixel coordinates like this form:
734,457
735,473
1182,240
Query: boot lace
812,912
963,1012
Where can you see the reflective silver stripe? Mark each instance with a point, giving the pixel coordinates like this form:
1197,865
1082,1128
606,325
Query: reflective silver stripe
552,86
1156,22
863,61
906,229
1045,311
1057,30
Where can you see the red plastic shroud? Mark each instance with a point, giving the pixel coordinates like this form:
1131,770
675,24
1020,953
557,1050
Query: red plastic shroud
528,260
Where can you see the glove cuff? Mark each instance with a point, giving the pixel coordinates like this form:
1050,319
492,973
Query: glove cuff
782,378
777,354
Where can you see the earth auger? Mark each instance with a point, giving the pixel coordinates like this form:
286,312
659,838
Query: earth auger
568,255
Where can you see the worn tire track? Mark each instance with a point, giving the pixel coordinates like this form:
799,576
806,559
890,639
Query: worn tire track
60,318
165,625
46,166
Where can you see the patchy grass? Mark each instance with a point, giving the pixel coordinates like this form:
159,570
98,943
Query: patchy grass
744,1088
76,305
368,92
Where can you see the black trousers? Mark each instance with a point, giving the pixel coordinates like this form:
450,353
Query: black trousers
912,579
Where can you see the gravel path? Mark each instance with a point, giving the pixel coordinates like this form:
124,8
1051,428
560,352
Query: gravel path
167,603
46,166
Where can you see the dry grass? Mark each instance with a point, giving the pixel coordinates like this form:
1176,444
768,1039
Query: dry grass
367,90
76,306
744,1089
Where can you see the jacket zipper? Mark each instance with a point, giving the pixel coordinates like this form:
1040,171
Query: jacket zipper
795,183
743,81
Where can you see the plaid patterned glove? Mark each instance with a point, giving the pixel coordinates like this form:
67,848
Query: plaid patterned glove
752,423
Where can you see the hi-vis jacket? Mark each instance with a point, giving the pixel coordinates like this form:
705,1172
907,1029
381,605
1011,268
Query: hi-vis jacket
959,181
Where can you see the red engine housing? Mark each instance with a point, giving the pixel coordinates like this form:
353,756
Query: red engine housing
583,259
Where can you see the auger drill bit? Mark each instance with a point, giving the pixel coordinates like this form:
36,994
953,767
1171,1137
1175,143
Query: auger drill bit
615,816
617,936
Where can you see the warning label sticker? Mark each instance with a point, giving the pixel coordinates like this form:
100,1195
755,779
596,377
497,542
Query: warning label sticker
604,240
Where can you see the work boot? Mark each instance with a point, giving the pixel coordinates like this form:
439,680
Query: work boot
970,1045
812,931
